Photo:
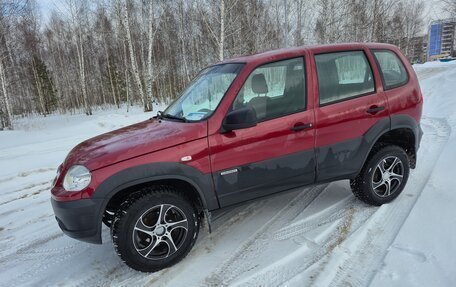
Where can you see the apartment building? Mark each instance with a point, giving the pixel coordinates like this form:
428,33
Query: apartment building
441,39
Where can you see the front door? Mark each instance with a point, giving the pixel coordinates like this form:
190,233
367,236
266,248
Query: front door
276,154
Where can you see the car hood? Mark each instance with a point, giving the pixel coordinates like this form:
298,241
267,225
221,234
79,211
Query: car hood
132,141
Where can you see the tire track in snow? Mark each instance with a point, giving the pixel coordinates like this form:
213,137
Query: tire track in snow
27,173
28,249
26,195
331,214
40,259
306,256
102,277
242,259
234,216
46,183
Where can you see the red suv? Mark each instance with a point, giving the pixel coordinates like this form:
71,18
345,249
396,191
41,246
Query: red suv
245,128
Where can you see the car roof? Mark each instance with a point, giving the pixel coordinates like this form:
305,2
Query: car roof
272,54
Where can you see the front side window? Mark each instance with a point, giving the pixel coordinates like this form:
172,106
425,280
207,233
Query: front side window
392,70
274,90
343,75
203,95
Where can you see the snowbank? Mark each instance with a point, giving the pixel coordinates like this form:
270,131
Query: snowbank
423,252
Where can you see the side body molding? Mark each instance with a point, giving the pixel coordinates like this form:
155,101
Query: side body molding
344,160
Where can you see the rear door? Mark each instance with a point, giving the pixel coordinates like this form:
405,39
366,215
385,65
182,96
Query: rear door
276,154
350,103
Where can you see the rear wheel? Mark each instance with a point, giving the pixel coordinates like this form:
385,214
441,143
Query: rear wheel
155,229
383,176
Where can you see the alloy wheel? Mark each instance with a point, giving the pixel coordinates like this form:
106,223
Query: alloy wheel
160,231
387,176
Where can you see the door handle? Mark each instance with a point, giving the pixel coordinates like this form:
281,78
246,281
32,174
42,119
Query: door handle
300,126
375,109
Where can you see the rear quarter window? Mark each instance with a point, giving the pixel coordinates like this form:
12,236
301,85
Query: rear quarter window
392,69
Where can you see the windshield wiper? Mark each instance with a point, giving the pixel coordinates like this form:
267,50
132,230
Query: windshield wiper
161,115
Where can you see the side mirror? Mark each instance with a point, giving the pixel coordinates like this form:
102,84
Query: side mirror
239,119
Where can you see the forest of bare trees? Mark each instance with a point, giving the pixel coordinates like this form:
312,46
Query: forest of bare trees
86,54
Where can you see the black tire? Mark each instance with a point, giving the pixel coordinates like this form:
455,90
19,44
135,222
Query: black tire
108,217
178,225
382,172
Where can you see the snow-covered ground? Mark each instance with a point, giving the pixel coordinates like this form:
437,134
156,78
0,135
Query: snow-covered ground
320,235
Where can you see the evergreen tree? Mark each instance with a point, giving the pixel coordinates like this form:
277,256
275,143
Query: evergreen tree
46,93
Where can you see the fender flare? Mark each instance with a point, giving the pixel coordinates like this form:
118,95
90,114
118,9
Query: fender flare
406,121
395,122
153,172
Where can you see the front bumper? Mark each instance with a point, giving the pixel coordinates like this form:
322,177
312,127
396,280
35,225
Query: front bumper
80,219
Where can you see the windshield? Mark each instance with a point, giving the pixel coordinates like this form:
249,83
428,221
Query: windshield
202,96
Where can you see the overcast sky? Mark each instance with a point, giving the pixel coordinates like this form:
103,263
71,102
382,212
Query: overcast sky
434,9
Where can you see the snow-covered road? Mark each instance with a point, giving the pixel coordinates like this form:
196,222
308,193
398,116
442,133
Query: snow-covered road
320,235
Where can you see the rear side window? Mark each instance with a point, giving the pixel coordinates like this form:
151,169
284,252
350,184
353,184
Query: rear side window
391,68
343,75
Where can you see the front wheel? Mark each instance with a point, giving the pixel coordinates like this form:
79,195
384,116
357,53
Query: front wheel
155,230
383,176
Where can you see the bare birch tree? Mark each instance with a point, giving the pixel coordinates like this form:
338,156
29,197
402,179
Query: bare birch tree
78,15
218,21
134,66
451,6
10,11
8,116
150,50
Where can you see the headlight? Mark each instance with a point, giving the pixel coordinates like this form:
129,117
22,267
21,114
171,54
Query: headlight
77,178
